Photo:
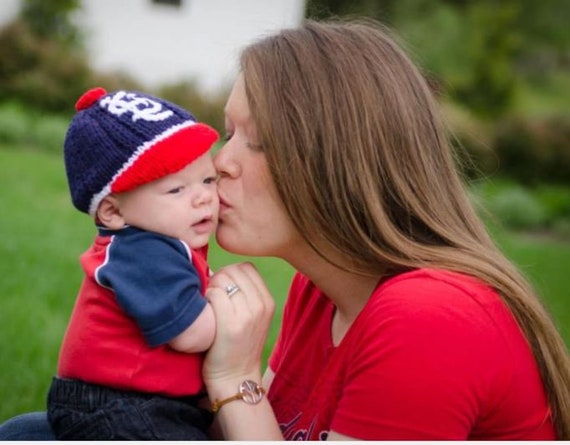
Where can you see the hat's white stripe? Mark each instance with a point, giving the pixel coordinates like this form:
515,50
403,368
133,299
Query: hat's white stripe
98,197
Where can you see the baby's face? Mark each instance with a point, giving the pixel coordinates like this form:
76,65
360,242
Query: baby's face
182,205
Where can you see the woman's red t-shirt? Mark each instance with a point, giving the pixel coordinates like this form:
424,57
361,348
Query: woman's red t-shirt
433,355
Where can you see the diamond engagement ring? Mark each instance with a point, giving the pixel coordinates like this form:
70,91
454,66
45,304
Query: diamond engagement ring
232,289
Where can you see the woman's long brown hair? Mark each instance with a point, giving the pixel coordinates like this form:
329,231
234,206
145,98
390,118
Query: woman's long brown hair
361,160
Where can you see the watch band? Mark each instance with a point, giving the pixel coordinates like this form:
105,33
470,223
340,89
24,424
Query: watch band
248,391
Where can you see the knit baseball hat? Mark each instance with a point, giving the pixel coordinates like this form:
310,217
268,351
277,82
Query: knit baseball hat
121,140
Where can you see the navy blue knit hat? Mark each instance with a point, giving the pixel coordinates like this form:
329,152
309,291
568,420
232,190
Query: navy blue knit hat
121,140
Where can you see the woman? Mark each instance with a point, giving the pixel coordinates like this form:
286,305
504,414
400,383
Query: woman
404,320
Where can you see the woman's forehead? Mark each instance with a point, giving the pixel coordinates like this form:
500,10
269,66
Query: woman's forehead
237,107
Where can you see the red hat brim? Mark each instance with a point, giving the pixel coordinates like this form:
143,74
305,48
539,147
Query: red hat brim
165,155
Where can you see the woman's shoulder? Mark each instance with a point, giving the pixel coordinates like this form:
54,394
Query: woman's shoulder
441,302
434,287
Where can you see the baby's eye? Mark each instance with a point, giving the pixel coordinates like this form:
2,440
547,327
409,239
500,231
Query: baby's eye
210,180
175,190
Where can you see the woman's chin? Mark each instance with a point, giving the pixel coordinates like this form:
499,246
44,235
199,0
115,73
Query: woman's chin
229,242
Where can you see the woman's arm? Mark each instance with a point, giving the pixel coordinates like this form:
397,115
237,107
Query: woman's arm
243,322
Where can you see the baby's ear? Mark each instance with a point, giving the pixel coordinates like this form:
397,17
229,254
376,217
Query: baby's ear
109,213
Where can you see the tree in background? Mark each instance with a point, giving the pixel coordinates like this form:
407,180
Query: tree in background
43,62
477,49
490,87
470,47
322,9
52,19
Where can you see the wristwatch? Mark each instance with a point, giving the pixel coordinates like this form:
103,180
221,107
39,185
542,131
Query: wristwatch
248,391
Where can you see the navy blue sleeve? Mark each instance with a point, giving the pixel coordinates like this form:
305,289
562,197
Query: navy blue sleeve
155,283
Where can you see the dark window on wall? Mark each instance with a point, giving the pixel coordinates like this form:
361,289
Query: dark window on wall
176,3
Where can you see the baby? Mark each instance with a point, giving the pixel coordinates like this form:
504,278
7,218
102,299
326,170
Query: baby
130,363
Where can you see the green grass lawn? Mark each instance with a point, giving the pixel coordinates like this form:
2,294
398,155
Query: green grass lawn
43,235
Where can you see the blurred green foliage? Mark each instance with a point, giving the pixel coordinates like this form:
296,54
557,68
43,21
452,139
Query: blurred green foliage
20,127
206,109
501,71
511,205
40,72
479,50
51,19
535,149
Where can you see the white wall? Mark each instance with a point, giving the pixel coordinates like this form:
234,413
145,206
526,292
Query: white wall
8,10
201,40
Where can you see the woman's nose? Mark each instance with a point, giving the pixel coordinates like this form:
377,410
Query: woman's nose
224,163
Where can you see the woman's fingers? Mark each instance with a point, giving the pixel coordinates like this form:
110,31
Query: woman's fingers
243,318
251,289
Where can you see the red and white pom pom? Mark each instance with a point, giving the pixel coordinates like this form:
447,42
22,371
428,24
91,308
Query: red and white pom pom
89,98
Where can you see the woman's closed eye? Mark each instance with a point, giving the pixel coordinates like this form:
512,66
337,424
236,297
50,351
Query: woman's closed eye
253,146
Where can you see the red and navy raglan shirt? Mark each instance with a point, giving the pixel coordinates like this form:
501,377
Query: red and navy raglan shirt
141,289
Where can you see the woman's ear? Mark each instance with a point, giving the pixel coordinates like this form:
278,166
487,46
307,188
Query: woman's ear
109,213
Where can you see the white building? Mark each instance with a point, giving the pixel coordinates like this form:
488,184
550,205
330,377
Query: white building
164,41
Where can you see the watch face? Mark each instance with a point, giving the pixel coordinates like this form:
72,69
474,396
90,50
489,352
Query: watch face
251,392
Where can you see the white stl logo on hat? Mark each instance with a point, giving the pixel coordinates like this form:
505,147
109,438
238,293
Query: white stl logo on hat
141,107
